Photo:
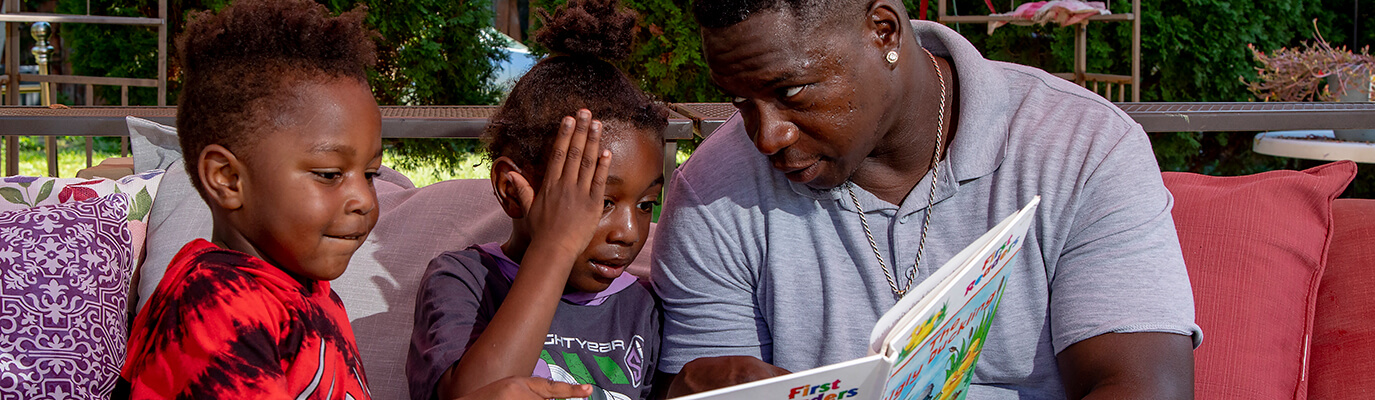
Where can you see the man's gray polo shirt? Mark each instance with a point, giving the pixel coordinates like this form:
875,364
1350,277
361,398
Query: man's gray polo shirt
748,263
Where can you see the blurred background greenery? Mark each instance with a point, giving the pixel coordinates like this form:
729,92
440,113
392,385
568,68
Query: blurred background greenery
443,52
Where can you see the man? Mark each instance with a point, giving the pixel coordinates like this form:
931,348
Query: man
799,222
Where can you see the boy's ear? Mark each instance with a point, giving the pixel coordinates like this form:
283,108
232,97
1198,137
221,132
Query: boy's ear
510,187
220,175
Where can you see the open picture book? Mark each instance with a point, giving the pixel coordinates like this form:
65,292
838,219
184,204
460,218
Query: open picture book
926,346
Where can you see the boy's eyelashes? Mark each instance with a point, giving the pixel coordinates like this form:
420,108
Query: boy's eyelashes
334,175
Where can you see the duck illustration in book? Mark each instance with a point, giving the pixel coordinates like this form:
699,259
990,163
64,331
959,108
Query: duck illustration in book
960,368
962,360
923,332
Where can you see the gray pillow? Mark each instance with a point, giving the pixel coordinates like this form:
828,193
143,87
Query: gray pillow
178,215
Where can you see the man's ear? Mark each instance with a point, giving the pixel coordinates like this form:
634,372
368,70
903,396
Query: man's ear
888,23
509,185
221,177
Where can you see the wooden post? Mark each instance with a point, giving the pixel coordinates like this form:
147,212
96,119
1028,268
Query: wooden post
1136,50
162,54
670,158
42,53
12,88
1080,54
90,144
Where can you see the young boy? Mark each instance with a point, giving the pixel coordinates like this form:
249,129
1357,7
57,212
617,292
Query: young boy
282,138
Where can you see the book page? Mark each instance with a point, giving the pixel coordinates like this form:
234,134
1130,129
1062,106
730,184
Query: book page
926,345
918,300
859,379
935,347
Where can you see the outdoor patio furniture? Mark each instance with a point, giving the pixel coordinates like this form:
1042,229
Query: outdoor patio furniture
1328,340
1313,145
1103,84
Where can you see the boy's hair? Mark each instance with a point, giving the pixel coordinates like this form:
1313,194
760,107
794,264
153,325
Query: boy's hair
241,65
582,35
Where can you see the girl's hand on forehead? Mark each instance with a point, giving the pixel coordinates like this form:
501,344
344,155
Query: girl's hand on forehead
565,210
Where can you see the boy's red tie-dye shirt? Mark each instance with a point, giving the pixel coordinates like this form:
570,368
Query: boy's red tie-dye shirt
223,324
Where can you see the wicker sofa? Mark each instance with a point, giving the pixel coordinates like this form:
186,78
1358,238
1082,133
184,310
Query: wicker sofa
1281,272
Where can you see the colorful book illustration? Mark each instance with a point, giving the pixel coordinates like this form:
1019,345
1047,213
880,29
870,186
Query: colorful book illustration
926,346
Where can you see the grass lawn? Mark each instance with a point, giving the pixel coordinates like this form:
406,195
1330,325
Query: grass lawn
473,166
72,157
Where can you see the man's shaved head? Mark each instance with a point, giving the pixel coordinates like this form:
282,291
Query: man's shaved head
724,13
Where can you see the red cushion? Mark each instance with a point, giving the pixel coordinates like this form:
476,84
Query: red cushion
1255,247
1343,353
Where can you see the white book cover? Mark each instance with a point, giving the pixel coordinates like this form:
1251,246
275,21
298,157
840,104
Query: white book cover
926,346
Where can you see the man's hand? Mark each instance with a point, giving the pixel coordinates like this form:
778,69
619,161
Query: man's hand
528,388
1147,365
709,373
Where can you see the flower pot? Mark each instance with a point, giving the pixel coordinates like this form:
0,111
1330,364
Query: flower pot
1350,91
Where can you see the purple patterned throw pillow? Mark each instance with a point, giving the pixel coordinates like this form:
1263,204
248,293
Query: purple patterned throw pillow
64,283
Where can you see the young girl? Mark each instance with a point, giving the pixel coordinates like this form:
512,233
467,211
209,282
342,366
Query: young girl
554,300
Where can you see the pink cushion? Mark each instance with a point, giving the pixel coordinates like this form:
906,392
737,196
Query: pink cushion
20,192
1255,247
1343,352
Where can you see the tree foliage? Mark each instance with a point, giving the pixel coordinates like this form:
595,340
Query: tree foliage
1191,50
431,52
667,59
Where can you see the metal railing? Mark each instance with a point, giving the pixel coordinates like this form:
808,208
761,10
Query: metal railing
458,122
40,28
1171,117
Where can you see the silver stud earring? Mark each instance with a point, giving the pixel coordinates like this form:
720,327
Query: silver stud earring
892,56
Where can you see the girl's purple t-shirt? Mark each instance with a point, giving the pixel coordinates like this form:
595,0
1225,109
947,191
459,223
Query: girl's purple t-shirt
609,339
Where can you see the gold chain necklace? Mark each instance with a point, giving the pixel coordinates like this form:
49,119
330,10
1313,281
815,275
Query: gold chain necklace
930,200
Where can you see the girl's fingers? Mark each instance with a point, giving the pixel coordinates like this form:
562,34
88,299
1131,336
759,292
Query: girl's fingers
557,154
592,155
598,184
548,389
577,145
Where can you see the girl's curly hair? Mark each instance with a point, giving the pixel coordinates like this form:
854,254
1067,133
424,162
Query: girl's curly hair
583,35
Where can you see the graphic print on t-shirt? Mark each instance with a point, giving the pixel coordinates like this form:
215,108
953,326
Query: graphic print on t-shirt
224,324
621,362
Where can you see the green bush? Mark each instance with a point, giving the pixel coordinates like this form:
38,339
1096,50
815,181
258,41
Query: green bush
667,59
1192,50
431,52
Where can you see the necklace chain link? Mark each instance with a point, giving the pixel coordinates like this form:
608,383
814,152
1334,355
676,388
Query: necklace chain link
930,199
